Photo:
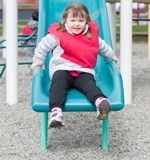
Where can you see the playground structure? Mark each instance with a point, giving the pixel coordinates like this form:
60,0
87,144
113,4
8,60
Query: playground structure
139,1
108,77
125,55
20,39
125,45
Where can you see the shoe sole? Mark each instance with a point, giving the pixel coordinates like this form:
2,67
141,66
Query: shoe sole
104,109
55,124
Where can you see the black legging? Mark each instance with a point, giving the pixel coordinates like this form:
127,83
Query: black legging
62,81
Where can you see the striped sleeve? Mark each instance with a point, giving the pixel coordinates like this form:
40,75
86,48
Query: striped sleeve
105,50
47,44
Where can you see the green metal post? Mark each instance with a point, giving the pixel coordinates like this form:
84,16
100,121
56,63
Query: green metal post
105,130
44,135
2,71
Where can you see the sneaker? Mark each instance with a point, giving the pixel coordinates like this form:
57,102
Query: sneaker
56,120
103,109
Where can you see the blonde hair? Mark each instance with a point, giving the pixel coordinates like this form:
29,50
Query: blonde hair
77,9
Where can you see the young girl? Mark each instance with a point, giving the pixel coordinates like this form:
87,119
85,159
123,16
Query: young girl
29,29
75,44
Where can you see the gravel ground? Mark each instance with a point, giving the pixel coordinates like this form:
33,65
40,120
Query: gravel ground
80,139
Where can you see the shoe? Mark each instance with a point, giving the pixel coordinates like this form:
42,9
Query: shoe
103,109
56,120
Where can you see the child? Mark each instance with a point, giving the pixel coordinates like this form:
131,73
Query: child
29,29
75,43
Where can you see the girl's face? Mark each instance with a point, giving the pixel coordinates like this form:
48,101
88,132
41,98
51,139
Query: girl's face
75,24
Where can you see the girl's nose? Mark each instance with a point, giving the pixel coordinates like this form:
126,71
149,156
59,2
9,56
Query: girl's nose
76,23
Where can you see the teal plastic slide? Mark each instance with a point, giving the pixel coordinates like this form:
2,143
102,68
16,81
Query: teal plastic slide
108,77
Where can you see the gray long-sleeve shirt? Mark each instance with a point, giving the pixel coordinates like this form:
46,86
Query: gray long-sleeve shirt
51,43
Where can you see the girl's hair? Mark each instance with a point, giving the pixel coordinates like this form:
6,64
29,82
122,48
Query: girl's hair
77,9
35,15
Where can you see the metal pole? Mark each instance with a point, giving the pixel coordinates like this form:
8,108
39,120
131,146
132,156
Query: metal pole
4,28
149,32
126,48
138,13
112,21
11,52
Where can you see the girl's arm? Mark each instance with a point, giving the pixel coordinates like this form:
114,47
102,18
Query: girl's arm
47,44
106,51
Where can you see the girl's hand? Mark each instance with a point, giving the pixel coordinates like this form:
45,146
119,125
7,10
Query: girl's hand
34,65
115,58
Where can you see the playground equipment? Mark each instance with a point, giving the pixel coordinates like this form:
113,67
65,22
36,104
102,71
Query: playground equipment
20,38
145,20
108,77
149,32
23,37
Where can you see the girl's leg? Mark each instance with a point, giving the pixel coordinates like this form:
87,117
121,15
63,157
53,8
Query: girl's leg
60,84
30,54
86,84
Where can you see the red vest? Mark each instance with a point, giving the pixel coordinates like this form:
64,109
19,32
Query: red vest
27,30
78,48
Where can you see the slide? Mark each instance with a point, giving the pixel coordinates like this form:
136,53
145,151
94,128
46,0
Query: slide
108,77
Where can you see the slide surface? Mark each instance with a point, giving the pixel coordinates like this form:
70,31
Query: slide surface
108,77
